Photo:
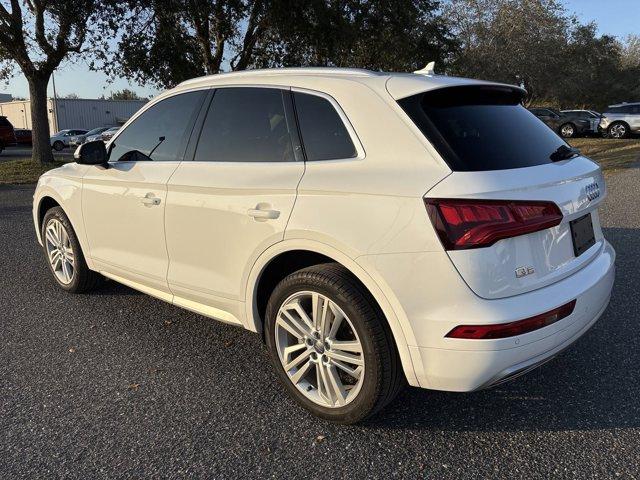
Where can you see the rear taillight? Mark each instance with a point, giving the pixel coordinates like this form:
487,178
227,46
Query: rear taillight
462,223
511,329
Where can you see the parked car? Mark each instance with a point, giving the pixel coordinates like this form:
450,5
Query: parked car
93,134
61,139
292,203
566,125
109,133
7,134
619,121
593,117
23,136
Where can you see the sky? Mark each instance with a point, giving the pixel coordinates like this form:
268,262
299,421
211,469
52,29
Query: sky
614,17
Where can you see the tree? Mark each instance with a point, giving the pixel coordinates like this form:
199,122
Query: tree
511,41
164,42
631,51
38,35
124,94
539,45
403,35
71,96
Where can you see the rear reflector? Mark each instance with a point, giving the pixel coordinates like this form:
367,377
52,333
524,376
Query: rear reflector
463,223
511,329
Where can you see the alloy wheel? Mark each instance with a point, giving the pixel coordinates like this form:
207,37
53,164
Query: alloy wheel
567,131
59,251
319,349
618,131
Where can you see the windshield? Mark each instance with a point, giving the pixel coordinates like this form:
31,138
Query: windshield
477,128
95,131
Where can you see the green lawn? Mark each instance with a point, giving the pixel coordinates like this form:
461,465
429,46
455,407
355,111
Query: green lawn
610,154
23,170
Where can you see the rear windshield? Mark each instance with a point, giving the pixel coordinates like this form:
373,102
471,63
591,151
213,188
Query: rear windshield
478,128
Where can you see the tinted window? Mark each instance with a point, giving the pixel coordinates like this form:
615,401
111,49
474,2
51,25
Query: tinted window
246,125
323,133
159,133
624,109
482,128
4,122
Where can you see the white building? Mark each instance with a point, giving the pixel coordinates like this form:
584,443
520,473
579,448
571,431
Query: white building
74,112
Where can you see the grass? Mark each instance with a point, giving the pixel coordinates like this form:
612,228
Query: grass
610,154
24,170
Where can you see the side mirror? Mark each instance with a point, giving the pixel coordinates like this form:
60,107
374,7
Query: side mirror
91,153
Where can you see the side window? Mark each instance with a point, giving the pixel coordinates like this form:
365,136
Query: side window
246,125
159,134
323,133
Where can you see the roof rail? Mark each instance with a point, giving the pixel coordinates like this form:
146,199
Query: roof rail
265,72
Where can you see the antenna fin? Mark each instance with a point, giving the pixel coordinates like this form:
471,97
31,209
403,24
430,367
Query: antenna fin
428,70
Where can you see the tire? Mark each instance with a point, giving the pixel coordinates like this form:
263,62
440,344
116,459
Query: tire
58,146
568,130
381,376
618,130
80,279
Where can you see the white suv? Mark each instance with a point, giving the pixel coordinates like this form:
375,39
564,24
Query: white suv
619,121
374,228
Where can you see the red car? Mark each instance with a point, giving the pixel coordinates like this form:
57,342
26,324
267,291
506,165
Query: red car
23,136
7,133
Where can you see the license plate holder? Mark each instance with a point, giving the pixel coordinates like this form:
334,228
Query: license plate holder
582,234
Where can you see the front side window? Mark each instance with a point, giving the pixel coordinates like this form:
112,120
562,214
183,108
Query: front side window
477,128
246,124
160,132
323,133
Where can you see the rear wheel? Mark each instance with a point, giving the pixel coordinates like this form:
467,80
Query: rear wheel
618,130
330,344
568,130
58,145
64,255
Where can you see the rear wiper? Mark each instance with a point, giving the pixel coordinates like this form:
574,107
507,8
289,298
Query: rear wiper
564,153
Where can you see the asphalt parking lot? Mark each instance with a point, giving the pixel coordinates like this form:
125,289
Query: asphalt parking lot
24,152
117,384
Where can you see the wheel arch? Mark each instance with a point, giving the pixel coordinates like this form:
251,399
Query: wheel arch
621,122
311,253
46,203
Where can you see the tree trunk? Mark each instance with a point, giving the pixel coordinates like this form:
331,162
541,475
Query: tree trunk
41,152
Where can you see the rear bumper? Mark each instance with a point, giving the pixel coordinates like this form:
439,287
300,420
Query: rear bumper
433,308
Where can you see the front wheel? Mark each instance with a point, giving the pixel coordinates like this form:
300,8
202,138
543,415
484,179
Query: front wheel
568,130
330,344
58,145
64,255
618,130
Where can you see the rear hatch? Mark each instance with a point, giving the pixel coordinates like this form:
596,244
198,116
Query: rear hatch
519,210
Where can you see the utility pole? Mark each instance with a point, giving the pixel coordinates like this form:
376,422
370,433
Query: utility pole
55,104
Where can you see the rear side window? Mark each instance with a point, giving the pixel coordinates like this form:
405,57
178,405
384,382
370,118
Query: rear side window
323,133
623,109
478,128
246,125
4,122
160,132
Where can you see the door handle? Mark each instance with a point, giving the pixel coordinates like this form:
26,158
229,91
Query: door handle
150,199
260,214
